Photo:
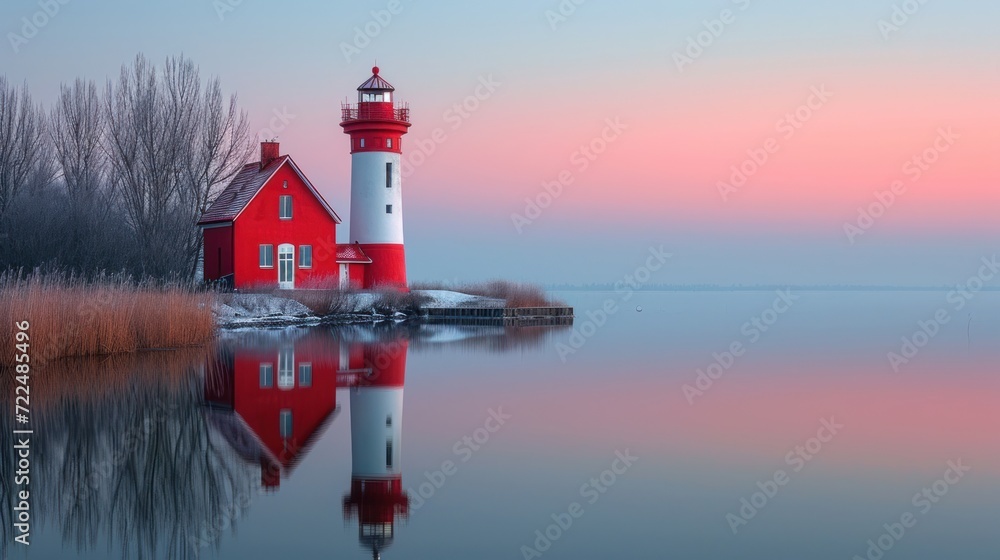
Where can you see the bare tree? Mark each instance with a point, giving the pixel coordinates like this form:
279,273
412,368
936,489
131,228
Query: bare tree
170,147
77,126
22,142
135,168
223,146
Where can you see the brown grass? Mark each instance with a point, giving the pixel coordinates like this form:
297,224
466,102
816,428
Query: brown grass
389,301
109,315
516,294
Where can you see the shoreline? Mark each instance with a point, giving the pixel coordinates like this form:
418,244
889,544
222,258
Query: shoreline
267,311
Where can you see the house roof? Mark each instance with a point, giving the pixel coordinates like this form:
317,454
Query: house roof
247,443
245,186
351,253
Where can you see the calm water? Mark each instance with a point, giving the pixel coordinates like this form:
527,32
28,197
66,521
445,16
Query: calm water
299,443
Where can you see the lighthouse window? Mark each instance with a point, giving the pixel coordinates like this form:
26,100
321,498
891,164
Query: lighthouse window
362,142
388,208
267,256
388,142
285,204
388,453
305,256
388,175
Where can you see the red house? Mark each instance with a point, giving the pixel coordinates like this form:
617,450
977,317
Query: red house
271,228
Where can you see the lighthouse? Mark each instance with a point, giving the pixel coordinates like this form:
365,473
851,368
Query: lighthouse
376,125
377,497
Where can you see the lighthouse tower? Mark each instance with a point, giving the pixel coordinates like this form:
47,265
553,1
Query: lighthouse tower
376,125
377,497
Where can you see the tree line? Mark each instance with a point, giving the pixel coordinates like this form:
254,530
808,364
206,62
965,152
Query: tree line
114,179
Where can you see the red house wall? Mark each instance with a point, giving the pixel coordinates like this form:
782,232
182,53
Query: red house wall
218,252
259,224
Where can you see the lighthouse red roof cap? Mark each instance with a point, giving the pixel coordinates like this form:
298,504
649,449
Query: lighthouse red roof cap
376,83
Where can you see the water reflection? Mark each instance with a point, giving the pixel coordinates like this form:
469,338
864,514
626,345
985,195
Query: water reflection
162,454
274,393
122,455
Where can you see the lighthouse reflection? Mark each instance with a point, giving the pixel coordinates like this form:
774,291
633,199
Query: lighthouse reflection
377,498
275,393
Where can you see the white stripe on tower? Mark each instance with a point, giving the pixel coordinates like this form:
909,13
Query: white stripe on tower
372,221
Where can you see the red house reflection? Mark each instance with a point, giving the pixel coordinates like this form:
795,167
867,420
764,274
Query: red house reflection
277,391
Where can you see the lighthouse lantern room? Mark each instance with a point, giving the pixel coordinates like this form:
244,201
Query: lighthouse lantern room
376,125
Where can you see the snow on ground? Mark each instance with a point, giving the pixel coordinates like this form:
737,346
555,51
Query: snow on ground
446,298
267,310
253,309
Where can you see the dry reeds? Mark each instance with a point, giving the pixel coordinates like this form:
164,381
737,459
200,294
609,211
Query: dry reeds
389,301
70,316
516,294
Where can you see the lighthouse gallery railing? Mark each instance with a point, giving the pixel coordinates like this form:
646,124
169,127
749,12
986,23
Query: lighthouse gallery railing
378,111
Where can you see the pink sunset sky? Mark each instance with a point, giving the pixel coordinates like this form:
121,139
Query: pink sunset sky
561,72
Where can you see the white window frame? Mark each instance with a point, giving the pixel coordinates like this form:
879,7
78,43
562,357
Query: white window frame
269,254
281,207
286,369
286,249
304,251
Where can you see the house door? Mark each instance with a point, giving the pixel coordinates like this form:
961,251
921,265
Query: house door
345,277
286,267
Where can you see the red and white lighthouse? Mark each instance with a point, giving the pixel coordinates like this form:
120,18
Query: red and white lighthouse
376,125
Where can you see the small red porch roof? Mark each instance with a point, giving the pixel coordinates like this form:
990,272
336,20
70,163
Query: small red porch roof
245,186
351,254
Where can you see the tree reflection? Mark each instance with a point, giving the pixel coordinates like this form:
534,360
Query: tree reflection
122,454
